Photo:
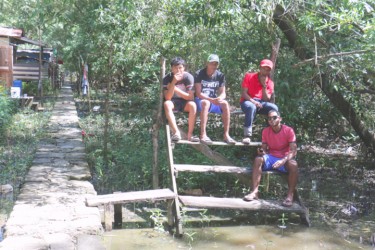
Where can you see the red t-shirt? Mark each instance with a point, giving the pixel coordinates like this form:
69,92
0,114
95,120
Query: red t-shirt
254,87
278,143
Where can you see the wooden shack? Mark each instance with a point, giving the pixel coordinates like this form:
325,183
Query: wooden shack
25,65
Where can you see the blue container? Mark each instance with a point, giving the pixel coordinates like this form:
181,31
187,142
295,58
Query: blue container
18,83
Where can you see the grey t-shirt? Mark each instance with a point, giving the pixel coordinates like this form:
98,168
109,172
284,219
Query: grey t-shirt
186,84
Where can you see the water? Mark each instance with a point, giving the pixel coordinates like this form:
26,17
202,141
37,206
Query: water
234,237
340,197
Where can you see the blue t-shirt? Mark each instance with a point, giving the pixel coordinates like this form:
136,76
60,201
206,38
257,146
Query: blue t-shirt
186,84
210,85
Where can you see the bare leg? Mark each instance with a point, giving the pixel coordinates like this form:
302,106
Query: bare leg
256,178
226,118
168,108
292,168
204,116
257,174
191,107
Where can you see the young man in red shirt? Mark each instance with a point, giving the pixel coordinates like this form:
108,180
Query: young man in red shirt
279,148
257,89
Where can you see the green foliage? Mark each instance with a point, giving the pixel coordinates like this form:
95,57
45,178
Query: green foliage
18,145
7,109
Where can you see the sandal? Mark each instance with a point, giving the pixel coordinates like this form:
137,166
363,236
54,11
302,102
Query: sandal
287,203
246,140
206,140
194,139
230,141
176,137
250,197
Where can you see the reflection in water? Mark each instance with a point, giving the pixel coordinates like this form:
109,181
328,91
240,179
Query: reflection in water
342,212
238,237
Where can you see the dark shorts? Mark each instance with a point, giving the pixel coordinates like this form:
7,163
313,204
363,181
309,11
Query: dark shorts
213,107
269,160
179,105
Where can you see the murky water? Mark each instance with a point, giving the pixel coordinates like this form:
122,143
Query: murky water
342,213
234,237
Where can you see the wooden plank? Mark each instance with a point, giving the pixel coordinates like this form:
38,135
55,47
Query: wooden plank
212,168
237,203
127,197
221,143
25,72
218,169
20,77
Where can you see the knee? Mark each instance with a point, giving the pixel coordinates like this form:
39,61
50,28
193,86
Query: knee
205,104
191,107
274,107
248,106
258,162
224,105
168,105
291,166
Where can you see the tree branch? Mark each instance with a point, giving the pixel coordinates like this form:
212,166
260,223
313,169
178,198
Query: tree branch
333,55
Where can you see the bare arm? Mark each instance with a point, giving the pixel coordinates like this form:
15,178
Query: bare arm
200,95
247,97
292,153
222,93
171,87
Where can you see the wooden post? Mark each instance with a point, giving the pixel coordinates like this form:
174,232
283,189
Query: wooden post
156,127
108,216
176,203
118,216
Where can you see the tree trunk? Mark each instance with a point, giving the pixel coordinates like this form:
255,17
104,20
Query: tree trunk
282,20
155,129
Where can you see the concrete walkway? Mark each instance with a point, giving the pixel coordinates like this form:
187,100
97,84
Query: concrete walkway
50,212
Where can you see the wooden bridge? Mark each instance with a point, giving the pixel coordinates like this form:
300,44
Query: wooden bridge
112,203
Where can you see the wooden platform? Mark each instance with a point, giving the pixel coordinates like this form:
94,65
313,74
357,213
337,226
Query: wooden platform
237,203
136,196
220,143
112,203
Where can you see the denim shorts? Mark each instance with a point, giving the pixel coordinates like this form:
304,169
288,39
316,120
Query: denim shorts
269,160
213,107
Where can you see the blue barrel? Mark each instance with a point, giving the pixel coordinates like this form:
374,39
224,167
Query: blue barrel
18,84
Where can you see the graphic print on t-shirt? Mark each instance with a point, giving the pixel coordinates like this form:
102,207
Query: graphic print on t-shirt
209,88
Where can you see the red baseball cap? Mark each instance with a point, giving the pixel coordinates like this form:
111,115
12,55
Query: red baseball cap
266,63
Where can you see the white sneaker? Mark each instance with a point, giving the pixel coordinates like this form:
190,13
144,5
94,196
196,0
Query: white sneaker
246,140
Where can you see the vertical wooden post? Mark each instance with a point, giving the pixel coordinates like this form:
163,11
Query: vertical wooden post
176,203
118,216
156,127
108,216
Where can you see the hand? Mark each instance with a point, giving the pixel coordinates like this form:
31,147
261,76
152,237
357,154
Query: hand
217,100
258,105
278,164
260,151
262,80
178,77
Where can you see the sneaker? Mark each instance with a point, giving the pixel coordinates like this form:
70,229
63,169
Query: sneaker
246,140
194,139
176,137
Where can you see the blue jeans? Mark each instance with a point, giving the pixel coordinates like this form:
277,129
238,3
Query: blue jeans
251,111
